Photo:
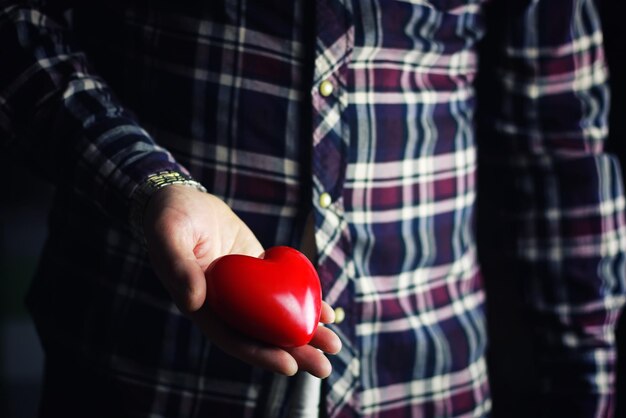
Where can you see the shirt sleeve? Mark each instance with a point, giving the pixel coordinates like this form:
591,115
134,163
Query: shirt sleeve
57,114
551,207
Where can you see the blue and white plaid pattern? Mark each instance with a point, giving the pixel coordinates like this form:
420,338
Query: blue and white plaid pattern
231,89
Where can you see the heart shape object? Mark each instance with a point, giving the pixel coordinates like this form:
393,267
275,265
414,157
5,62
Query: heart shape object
275,298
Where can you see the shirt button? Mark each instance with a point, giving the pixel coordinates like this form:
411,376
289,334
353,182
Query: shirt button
325,200
326,88
340,315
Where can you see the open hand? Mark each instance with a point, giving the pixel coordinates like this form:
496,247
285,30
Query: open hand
185,231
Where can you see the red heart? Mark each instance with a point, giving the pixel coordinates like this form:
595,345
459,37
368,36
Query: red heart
275,298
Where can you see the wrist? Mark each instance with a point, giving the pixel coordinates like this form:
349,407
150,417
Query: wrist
144,192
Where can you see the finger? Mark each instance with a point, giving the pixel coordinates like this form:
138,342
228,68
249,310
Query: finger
250,351
311,360
326,340
327,315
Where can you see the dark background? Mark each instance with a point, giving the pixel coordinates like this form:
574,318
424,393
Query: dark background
24,201
615,43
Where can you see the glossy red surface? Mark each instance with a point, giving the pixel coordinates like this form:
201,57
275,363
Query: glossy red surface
276,298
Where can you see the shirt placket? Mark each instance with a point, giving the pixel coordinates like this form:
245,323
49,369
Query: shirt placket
334,35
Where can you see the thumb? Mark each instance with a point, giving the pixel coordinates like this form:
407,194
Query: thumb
177,266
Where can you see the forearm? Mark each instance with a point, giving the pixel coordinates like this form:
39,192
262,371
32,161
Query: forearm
568,267
554,199
60,116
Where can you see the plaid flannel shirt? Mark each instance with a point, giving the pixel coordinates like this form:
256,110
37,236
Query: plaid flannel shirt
275,106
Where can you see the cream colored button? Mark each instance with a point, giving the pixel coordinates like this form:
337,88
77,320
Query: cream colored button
340,315
326,88
325,200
